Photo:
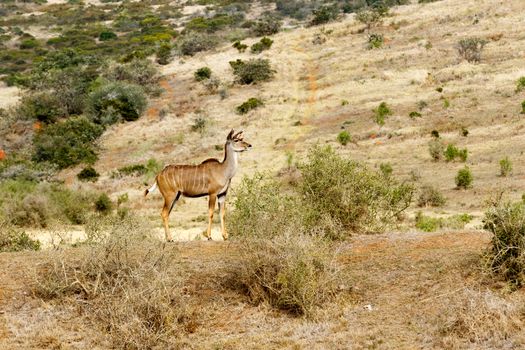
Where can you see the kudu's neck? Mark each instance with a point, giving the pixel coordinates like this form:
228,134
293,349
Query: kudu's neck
230,162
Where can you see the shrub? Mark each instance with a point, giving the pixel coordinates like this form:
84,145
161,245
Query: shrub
430,196
163,53
192,43
464,178
427,223
252,71
271,214
349,194
123,282
200,124
250,104
293,272
43,106
13,239
344,137
434,134
140,72
415,115
451,152
131,170
240,46
523,107
436,148
506,221
202,74
324,14
381,112
107,35
505,166
115,101
103,204
88,174
264,44
266,26
470,49
386,169
67,143
375,41
520,84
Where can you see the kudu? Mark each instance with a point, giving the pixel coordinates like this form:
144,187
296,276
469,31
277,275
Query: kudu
210,178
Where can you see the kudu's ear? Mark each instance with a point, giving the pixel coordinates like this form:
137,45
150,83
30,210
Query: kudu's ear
238,136
229,137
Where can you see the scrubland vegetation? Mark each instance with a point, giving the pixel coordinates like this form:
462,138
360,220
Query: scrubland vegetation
365,219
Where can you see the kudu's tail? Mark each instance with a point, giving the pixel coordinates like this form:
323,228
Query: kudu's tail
151,189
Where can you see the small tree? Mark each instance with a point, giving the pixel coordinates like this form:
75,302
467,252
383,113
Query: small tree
436,148
266,26
88,174
324,14
470,49
464,178
505,166
369,17
381,112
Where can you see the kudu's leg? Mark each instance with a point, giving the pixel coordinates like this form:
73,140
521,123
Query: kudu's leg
211,208
222,211
169,203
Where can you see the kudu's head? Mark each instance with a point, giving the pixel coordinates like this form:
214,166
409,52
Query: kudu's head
236,142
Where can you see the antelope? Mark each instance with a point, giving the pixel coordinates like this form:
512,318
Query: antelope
210,178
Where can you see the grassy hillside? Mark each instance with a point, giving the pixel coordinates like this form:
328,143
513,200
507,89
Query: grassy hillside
396,97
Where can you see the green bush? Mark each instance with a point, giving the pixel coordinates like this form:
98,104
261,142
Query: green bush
464,178
375,41
505,166
266,26
163,53
239,46
295,273
202,74
115,101
264,44
67,143
269,216
42,106
430,196
103,204
414,115
381,112
452,152
386,169
349,194
324,14
250,104
107,35
13,239
436,148
344,137
88,174
523,107
471,49
506,221
520,84
427,223
140,72
252,71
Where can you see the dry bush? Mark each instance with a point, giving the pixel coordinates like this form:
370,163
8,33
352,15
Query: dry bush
293,272
481,318
121,279
13,239
430,196
507,223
